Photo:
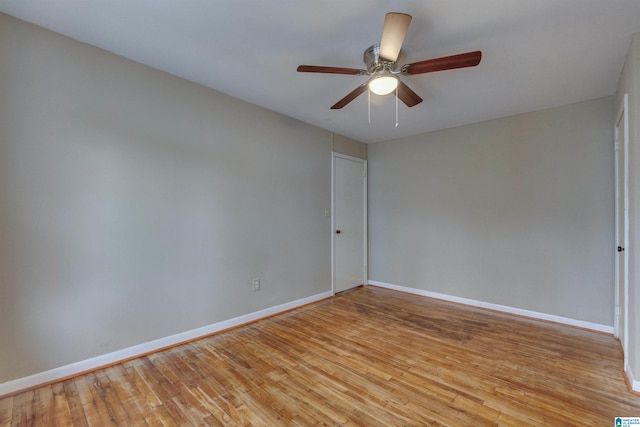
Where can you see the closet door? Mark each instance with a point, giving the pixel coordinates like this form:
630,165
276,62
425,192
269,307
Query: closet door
349,222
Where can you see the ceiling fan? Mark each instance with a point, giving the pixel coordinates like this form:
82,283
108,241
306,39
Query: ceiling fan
381,58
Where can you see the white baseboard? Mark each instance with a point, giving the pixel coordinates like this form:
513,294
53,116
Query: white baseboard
13,386
503,308
635,384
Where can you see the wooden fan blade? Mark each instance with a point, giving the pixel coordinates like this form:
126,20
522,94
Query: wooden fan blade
350,97
329,70
469,59
408,96
395,29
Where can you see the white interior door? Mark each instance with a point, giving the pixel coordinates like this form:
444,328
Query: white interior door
349,240
622,223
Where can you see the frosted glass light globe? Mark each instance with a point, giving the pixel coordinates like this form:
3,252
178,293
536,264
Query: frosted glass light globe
383,85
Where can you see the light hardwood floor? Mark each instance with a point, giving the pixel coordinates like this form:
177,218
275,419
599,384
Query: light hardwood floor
367,357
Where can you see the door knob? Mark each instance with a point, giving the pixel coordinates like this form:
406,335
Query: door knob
337,231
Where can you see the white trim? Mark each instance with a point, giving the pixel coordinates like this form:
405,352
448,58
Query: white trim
365,275
623,114
365,233
503,308
635,384
333,221
76,368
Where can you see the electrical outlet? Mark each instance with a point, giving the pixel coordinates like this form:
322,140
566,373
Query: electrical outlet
256,284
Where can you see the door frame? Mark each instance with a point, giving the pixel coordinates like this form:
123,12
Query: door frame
365,273
623,146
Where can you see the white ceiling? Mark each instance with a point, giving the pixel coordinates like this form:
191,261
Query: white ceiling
536,53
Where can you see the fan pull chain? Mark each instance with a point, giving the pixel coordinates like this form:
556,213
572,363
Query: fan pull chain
369,93
397,106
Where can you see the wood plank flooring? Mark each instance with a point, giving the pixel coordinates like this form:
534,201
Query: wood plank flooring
370,357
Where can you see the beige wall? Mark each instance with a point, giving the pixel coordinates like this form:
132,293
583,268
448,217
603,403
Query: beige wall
135,205
517,212
351,147
630,83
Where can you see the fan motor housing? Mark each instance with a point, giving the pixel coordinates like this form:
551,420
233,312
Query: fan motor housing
372,60
375,64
